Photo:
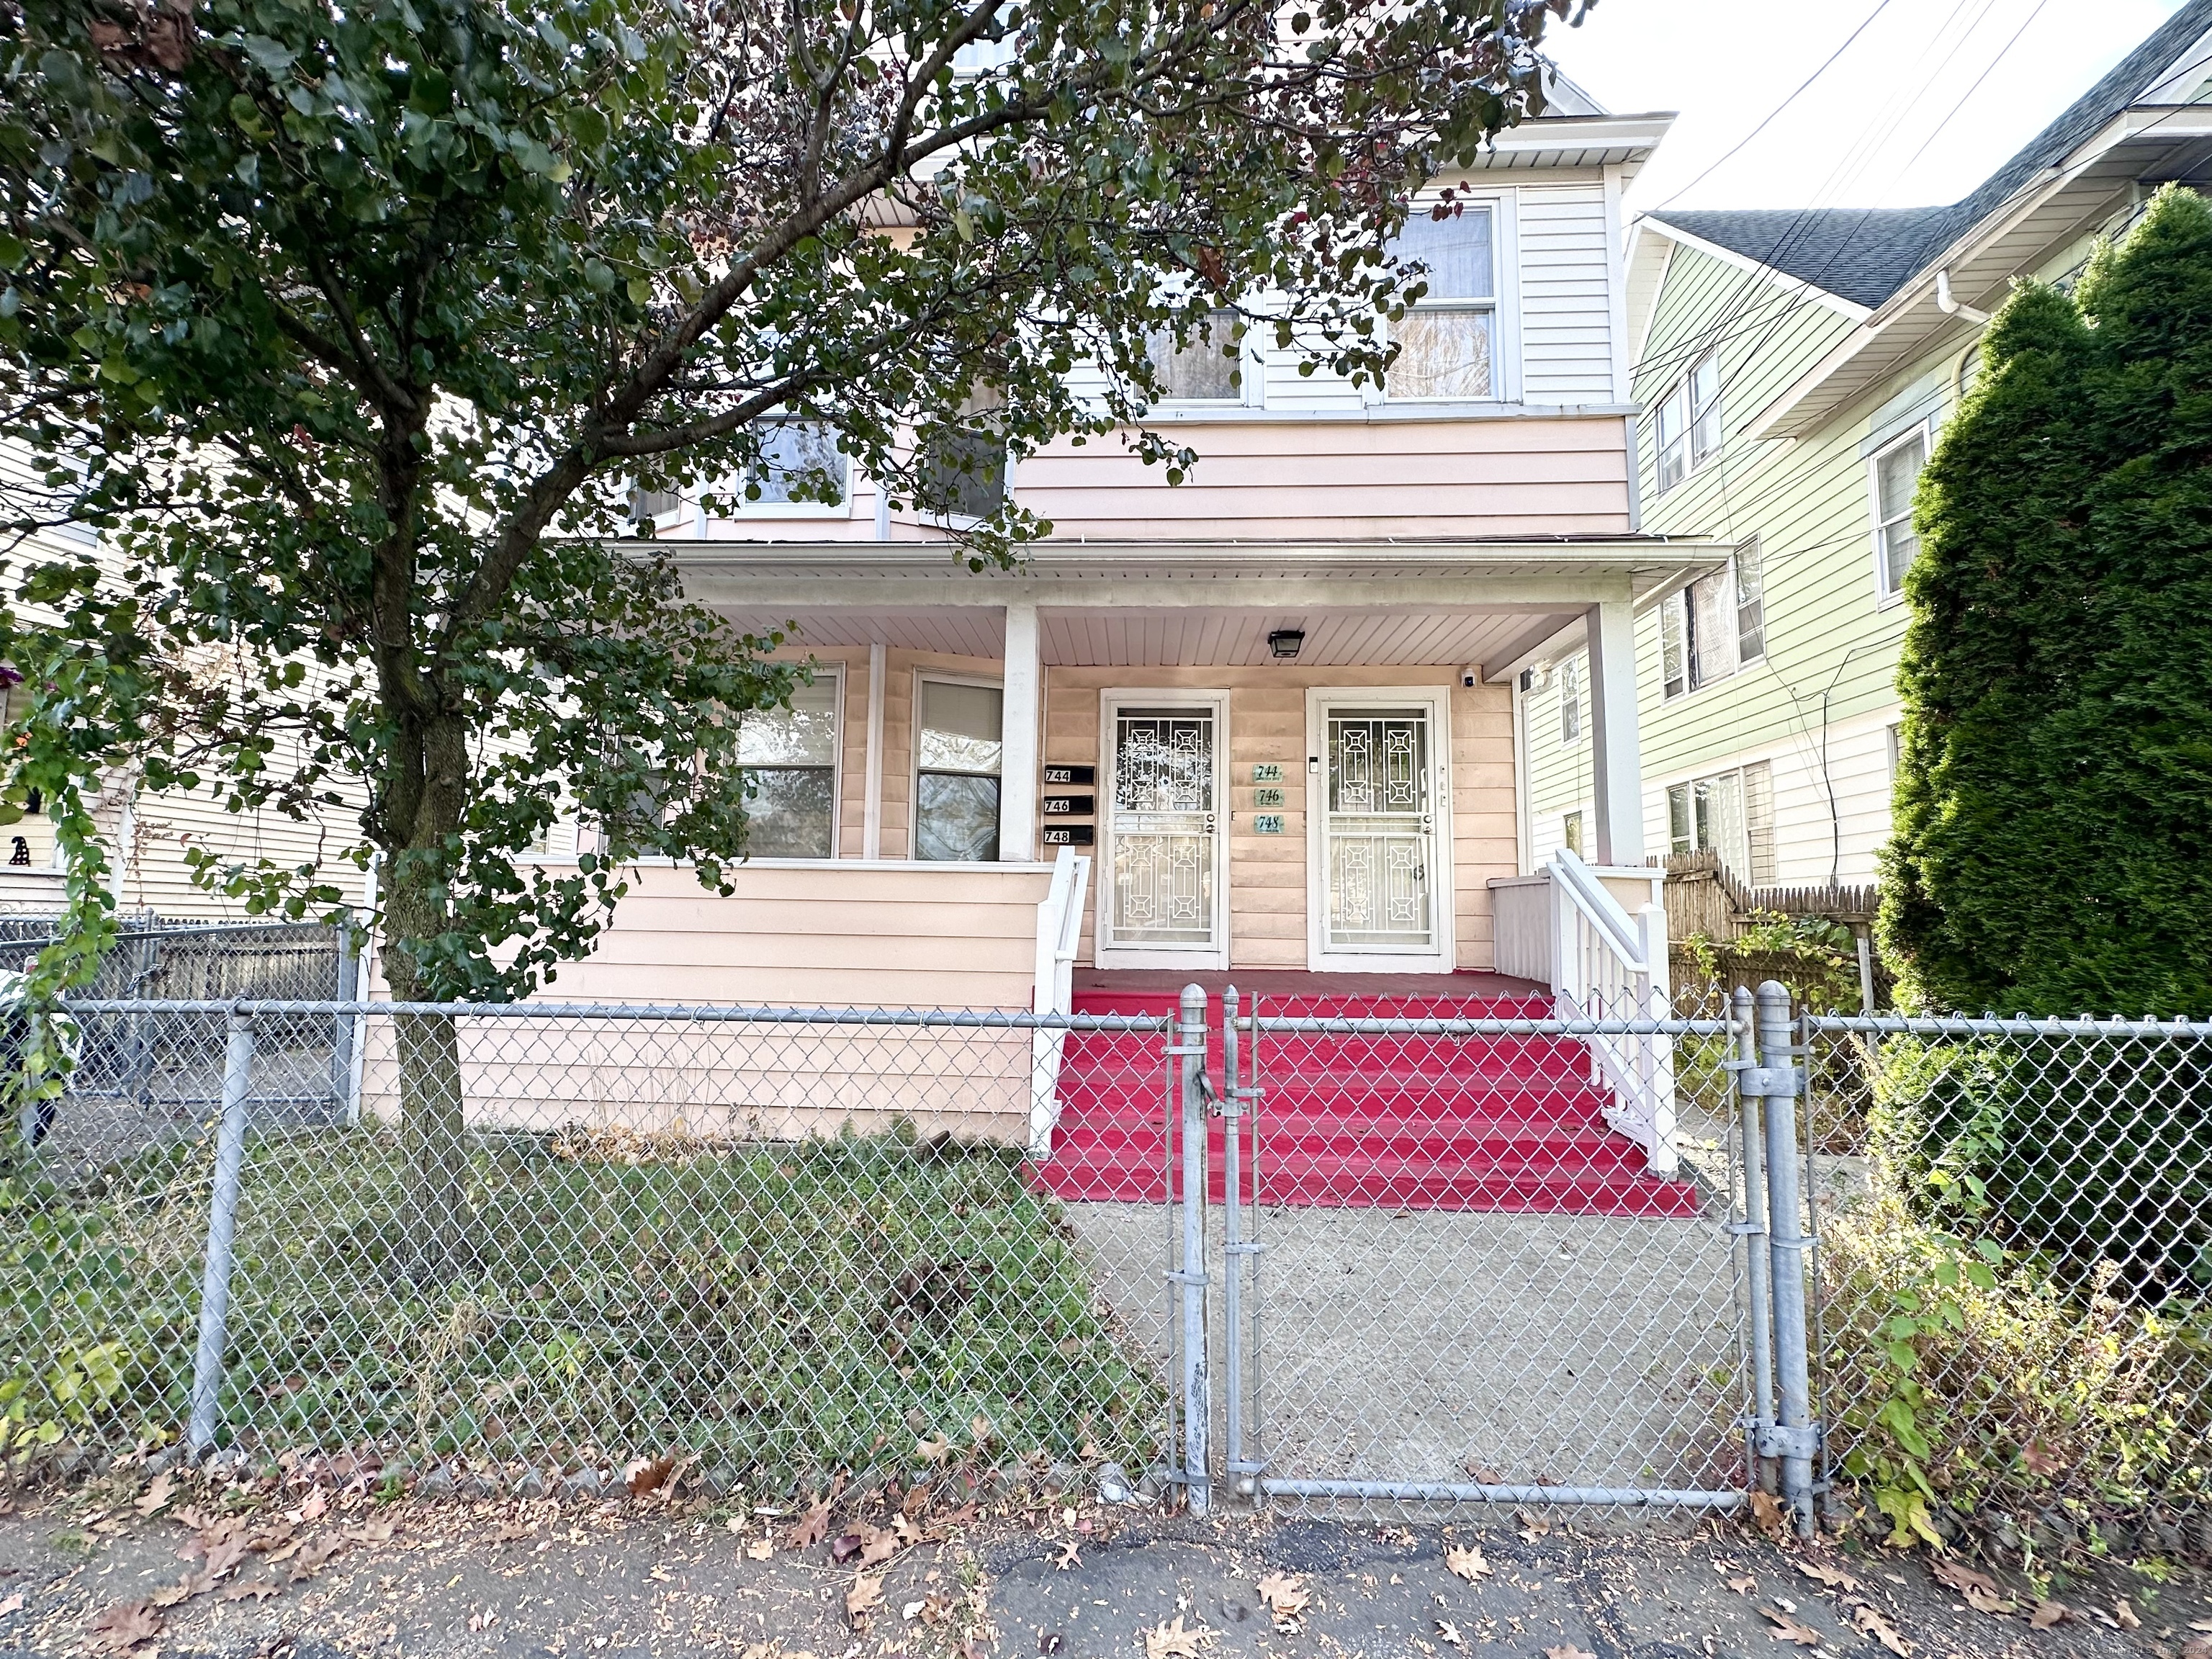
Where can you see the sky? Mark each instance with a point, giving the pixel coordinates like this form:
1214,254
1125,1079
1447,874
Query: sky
1920,108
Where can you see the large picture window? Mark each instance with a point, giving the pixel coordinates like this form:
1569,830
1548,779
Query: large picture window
790,762
1448,341
956,759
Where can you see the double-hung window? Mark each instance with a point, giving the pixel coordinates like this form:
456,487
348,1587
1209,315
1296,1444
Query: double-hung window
1448,339
789,757
957,761
800,467
1730,813
1714,627
1690,422
1571,700
1896,475
963,473
1208,367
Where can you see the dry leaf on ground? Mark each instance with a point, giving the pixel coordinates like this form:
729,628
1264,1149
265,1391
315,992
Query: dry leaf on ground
760,1549
1067,1558
314,1554
810,1528
314,1506
1767,1509
1787,1629
1448,1631
1532,1526
2048,1614
124,1626
2123,1613
191,1584
1869,1621
863,1599
11,1603
1743,1583
1567,1651
223,1555
648,1474
260,1588
1465,1561
1174,1641
156,1496
933,1448
1827,1573
1977,1589
1285,1593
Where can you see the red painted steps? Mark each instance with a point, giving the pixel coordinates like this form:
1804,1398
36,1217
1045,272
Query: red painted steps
1506,1124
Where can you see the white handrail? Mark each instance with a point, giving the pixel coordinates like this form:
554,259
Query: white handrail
1059,935
1607,964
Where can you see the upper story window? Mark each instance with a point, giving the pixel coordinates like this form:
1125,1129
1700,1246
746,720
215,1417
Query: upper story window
1571,700
963,473
799,464
1896,474
1690,422
1209,368
1731,813
957,761
789,757
1715,626
1448,341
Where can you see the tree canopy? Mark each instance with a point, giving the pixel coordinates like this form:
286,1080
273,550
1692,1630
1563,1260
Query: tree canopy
2055,783
355,327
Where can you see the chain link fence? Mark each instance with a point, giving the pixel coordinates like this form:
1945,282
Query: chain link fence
2015,1220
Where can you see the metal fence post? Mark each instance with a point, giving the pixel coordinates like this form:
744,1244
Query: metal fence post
1197,1394
1797,1437
223,1218
1758,1259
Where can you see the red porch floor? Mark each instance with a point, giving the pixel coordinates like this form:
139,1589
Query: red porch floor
1493,1123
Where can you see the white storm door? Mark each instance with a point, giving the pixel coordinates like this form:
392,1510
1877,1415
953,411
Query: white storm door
1380,833
1164,900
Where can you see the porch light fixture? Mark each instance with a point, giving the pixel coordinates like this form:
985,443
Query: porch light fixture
1284,643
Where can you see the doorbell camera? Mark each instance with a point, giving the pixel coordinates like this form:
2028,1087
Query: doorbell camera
1470,677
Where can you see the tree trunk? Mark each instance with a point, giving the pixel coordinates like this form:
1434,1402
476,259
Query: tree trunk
439,1243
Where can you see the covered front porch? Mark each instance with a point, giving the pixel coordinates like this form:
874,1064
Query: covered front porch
1280,758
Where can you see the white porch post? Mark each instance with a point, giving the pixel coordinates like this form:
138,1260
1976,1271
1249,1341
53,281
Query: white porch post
1616,760
1018,755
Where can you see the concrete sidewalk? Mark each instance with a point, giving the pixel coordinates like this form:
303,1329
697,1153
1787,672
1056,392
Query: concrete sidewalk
662,1578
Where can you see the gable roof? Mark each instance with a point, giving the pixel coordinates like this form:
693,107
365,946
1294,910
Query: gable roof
1867,254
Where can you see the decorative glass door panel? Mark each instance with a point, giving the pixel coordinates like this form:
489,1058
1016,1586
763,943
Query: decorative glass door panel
1163,829
1379,835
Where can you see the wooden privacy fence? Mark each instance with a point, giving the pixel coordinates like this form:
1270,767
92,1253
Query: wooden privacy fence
1704,896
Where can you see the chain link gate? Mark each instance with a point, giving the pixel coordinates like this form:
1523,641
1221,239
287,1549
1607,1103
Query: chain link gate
1445,1278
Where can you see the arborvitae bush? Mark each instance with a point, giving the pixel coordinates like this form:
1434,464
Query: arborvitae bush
2052,850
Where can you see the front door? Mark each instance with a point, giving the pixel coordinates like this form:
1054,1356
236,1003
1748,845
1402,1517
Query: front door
1164,899
1377,782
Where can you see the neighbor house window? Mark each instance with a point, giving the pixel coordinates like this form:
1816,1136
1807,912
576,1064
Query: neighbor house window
956,786
800,464
1571,700
1730,813
964,466
1570,833
1715,626
1896,474
1448,341
1893,749
789,757
1689,427
1205,370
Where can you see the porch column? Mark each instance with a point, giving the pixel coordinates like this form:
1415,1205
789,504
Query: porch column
1018,756
1616,760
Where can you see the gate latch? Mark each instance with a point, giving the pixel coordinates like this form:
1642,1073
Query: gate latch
1773,1440
1768,1081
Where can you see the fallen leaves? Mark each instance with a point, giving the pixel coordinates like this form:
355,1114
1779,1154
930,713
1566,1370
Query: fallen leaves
1285,1594
191,1584
315,1554
1448,1631
2047,1613
2123,1613
760,1549
1067,1558
11,1603
1827,1573
1767,1509
863,1599
1871,1621
1166,1641
122,1627
1568,1650
1787,1629
1977,1589
1465,1561
811,1528
1532,1526
933,1448
156,1497
868,1548
648,1474
260,1588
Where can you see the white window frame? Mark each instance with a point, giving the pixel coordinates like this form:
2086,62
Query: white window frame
1677,630
1503,305
1691,416
913,749
835,673
739,508
1923,432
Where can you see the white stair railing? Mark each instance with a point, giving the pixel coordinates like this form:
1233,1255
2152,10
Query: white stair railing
1607,964
1059,931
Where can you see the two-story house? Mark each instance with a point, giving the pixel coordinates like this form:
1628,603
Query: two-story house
1794,368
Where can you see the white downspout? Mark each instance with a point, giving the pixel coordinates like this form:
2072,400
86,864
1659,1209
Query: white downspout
1953,307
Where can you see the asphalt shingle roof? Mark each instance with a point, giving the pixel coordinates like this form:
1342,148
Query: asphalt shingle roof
1867,254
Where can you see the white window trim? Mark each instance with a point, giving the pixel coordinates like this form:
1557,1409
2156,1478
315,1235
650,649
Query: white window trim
1503,304
739,508
1694,462
1678,603
834,672
1885,596
942,677
1251,376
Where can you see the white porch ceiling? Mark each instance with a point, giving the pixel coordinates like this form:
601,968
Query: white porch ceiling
1334,639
